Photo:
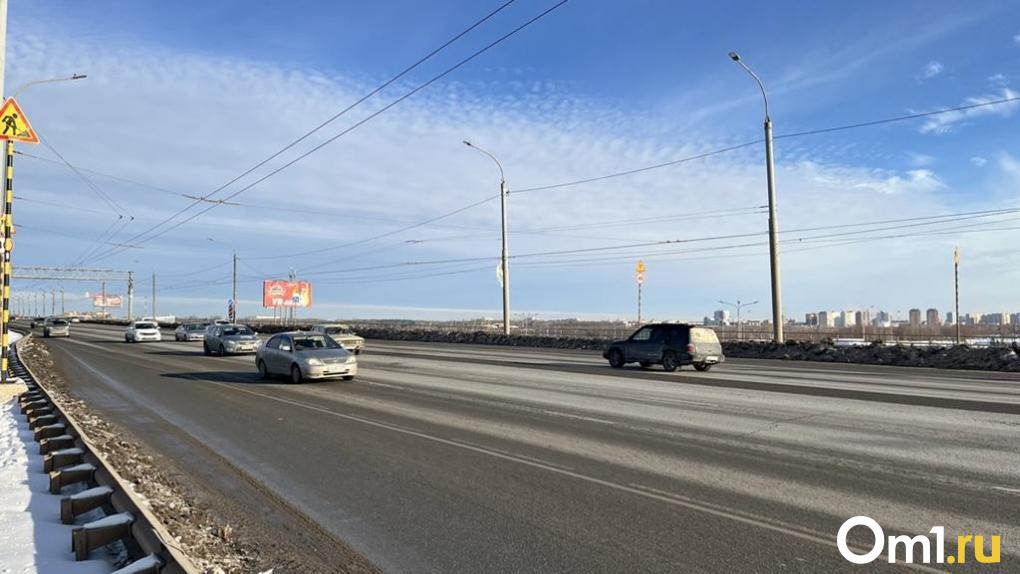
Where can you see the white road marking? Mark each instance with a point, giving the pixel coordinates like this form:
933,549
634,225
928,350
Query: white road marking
579,417
385,385
1004,489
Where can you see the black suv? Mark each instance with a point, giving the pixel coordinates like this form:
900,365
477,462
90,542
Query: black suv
667,344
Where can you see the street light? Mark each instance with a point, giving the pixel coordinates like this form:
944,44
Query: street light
738,305
504,191
777,304
22,87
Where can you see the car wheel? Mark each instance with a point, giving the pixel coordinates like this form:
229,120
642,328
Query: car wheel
126,339
669,362
295,374
348,377
702,366
616,358
222,350
205,349
263,371
645,364
357,351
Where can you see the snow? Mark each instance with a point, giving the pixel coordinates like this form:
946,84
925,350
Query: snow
32,539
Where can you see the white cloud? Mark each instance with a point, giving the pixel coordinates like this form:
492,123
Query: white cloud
947,122
190,123
930,70
920,159
998,80
1016,39
978,161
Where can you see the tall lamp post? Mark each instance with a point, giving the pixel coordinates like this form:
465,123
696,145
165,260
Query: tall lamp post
233,297
504,191
738,306
777,303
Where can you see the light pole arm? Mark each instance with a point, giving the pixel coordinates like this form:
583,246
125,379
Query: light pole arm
761,86
26,85
502,178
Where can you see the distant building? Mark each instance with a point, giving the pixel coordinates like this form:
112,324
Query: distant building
995,319
932,318
721,317
915,317
811,319
971,319
826,318
949,318
881,319
846,319
1014,318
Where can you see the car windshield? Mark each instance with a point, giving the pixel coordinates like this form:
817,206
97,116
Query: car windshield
195,327
232,331
337,330
144,326
306,342
59,323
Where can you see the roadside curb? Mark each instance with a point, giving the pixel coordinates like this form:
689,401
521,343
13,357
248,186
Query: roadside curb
72,458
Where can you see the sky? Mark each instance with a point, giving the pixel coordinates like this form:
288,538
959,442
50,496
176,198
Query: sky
182,99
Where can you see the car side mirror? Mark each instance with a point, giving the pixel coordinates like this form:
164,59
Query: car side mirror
285,348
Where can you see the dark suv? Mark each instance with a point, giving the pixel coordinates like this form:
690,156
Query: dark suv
667,344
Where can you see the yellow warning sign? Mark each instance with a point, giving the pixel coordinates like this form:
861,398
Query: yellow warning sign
14,125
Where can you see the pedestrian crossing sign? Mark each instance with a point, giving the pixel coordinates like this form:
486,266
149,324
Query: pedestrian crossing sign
14,125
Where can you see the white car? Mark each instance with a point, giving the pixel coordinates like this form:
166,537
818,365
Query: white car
142,331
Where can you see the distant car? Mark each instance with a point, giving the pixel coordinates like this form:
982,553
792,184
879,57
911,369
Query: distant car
342,334
305,355
190,332
139,331
229,339
75,319
56,328
669,345
36,321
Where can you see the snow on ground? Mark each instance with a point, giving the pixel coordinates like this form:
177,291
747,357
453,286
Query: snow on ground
32,539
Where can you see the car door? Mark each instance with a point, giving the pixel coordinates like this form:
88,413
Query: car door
270,352
282,356
638,345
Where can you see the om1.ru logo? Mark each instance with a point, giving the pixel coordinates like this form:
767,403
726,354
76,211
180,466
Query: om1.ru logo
910,544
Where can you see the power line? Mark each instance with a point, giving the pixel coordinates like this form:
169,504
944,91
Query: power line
351,128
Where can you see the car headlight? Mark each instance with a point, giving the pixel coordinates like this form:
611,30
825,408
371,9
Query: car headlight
231,343
351,360
315,362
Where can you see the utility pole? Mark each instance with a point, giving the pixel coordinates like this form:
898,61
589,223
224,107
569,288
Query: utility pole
131,296
777,304
53,302
154,298
62,310
103,301
292,275
233,296
639,276
956,281
504,267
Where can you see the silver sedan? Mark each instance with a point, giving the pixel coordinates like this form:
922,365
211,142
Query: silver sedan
302,355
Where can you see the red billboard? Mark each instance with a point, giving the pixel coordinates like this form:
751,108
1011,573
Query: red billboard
110,301
284,293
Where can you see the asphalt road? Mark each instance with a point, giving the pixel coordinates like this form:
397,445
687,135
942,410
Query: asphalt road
443,458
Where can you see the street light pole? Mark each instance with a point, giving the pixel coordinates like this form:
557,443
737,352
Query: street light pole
504,192
738,306
777,304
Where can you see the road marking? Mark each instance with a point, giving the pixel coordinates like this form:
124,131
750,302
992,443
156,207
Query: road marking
673,499
580,417
1004,489
385,385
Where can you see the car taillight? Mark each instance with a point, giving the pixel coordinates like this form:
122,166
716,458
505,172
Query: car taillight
690,348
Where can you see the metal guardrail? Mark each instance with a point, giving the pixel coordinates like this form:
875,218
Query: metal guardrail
70,458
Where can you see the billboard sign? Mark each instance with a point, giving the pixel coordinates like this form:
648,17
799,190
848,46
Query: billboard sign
284,293
110,301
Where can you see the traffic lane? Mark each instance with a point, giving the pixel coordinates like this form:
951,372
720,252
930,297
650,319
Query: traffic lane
878,386
394,498
728,496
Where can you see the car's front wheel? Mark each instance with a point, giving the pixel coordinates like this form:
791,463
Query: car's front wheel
263,371
222,350
669,362
295,374
348,377
205,349
702,366
616,358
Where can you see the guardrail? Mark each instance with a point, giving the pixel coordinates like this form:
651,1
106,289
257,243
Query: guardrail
70,458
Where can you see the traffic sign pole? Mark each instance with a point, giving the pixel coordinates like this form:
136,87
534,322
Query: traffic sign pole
8,246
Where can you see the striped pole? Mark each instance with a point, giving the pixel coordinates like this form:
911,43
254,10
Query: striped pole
8,246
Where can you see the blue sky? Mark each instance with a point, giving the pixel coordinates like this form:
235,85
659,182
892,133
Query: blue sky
184,99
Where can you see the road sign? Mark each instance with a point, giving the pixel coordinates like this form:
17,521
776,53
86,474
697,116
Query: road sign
14,125
956,256
639,272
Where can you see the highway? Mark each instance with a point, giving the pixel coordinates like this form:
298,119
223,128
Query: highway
445,458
